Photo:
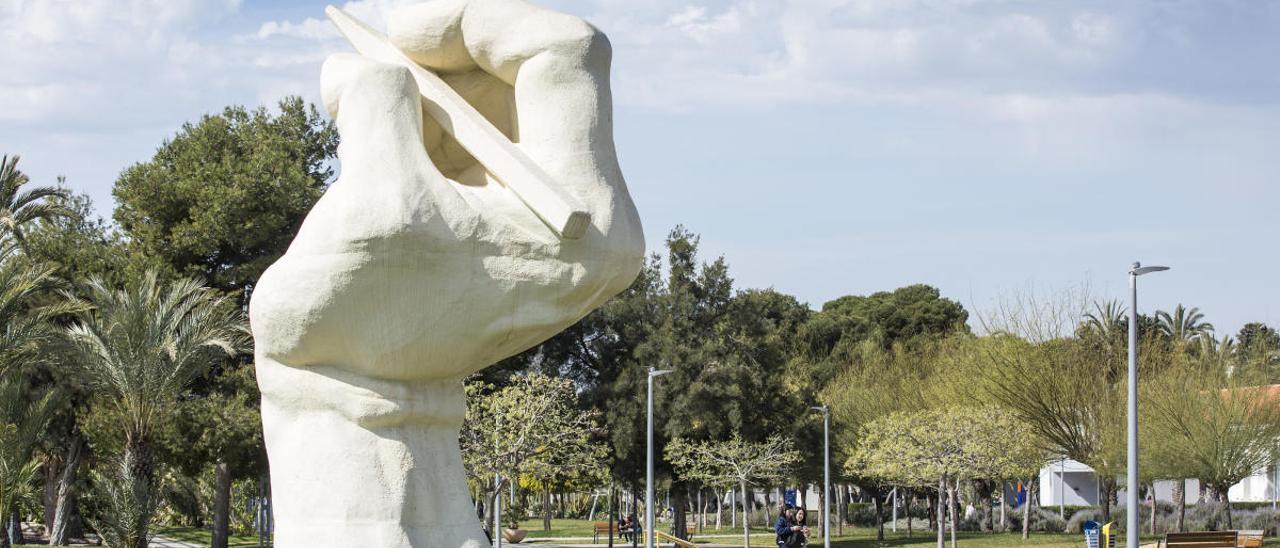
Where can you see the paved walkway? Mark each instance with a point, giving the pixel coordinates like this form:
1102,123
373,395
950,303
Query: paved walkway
161,542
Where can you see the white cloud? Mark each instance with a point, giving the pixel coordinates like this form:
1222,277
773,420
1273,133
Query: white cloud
311,28
695,22
373,12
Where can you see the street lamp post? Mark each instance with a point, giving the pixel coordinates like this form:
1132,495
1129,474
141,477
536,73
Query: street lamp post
826,475
497,498
1062,488
497,511
648,485
1131,497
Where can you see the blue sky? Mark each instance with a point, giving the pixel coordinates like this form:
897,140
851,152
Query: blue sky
825,147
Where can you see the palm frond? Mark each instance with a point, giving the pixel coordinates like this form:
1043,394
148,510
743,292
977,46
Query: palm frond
144,343
19,207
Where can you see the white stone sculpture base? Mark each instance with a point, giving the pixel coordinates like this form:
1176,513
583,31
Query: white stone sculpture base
367,462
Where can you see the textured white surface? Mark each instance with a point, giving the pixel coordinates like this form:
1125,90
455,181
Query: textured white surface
501,158
417,268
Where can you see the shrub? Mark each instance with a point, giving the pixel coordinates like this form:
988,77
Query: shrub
862,514
1264,519
1042,520
1076,523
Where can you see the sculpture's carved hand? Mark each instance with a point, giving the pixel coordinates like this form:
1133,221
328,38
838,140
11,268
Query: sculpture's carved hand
417,265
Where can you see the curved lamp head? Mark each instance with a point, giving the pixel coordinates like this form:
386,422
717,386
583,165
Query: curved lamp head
1139,270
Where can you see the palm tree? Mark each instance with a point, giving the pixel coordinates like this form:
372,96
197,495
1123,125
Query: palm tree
26,312
26,329
22,422
19,208
139,347
1219,352
1107,321
1184,325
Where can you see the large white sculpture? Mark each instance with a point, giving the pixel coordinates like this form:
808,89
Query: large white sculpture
419,267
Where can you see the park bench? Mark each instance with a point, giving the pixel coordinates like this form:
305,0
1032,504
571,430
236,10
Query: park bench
601,528
1251,538
1202,539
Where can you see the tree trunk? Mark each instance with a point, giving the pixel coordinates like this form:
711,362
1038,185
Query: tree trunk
983,489
1108,491
952,504
942,520
702,510
546,508
1153,507
932,512
486,521
1004,501
678,506
59,523
613,511
1026,513
746,515
139,459
139,463
842,507
733,507
1180,499
221,505
52,469
877,506
719,495
768,506
822,512
1226,505
907,506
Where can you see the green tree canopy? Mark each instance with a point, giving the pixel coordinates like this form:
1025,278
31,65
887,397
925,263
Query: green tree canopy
1204,422
223,198
734,461
904,313
530,428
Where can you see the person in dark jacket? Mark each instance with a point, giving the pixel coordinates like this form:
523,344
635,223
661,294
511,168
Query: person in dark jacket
786,530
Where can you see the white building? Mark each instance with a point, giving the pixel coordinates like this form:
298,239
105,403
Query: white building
1075,484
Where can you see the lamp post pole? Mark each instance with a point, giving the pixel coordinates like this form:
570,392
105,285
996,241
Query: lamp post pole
497,511
1062,488
826,475
1131,497
497,500
648,484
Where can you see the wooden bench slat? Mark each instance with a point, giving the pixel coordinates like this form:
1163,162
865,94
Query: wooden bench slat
1202,539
